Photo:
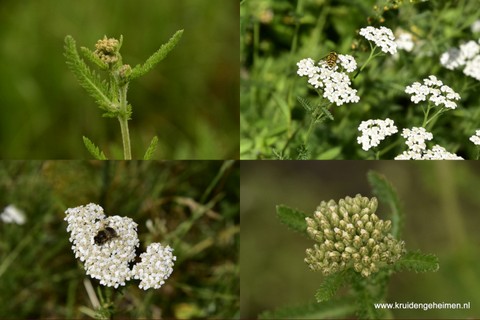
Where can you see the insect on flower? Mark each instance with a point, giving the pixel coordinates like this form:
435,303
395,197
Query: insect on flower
331,59
104,235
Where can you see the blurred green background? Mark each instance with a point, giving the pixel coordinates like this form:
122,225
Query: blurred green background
440,200
193,206
190,100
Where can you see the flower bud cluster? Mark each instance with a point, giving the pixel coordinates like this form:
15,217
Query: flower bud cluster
107,50
350,235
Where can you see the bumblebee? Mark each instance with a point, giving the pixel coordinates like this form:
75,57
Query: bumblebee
331,59
104,235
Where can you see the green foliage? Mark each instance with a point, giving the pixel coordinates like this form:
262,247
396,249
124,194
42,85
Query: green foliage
158,56
151,149
93,149
89,80
294,219
418,262
387,194
330,285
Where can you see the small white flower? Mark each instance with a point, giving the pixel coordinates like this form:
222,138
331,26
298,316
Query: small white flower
472,68
335,85
452,59
348,62
476,138
11,214
417,148
374,131
306,67
475,27
156,266
435,91
382,37
404,41
469,50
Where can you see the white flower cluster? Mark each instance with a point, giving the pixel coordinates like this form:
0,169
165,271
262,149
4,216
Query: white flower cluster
374,131
382,37
467,56
335,84
475,27
404,41
11,214
476,138
435,91
107,255
417,148
155,267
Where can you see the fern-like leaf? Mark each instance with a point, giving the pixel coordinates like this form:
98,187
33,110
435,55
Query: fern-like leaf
387,194
158,56
328,113
330,285
305,103
151,149
87,53
93,149
293,218
418,262
90,81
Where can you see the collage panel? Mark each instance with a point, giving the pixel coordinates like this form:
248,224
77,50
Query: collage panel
360,239
119,239
115,78
359,80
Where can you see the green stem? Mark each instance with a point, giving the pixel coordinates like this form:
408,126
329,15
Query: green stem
312,122
370,57
123,119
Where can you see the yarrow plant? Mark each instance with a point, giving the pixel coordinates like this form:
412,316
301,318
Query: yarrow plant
354,246
111,94
106,246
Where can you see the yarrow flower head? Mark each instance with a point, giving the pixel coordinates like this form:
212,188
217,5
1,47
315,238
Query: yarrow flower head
11,214
382,37
107,50
106,246
476,138
335,84
404,41
374,131
155,267
417,147
350,235
435,91
467,56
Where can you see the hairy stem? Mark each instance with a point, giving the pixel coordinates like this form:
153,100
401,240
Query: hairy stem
123,119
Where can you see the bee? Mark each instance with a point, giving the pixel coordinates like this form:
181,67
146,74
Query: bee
104,235
331,59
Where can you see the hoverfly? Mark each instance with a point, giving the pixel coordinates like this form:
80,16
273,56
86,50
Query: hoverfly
331,59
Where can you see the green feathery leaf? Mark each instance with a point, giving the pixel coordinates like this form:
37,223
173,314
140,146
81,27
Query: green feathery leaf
151,149
293,218
97,88
305,103
93,149
387,194
328,113
330,285
87,53
418,262
155,58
